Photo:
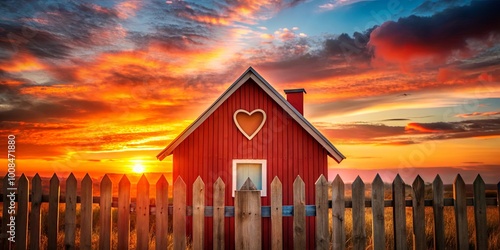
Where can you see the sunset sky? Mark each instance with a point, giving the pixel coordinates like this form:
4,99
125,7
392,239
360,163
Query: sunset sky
408,86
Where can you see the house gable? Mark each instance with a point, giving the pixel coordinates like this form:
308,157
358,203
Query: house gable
251,74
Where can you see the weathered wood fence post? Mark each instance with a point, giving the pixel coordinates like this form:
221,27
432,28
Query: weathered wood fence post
358,214
86,214
322,234
218,225
5,213
123,213
70,213
338,214
276,214
198,213
161,213
22,213
378,227
399,213
53,228
179,225
438,212
299,214
105,213
35,216
247,222
480,213
459,194
419,242
142,213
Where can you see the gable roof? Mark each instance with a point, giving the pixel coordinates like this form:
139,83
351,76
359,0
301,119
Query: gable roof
250,73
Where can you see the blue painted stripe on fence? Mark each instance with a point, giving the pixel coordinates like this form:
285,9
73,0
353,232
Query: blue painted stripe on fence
287,211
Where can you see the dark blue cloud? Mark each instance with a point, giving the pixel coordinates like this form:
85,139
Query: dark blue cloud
439,35
53,30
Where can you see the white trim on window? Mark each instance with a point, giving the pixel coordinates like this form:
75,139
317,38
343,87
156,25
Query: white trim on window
263,165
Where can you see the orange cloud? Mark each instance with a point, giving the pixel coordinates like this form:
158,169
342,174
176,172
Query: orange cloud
447,74
210,19
420,128
479,114
267,36
127,9
485,77
22,62
59,90
11,82
247,11
285,34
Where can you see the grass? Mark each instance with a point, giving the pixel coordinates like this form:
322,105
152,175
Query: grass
95,229
492,218
493,228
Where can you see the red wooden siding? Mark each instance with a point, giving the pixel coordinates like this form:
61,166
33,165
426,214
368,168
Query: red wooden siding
287,147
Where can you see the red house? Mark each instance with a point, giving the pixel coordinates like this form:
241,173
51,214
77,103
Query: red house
252,131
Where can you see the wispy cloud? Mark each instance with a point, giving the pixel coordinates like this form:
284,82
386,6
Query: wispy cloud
412,133
229,13
336,4
479,114
432,6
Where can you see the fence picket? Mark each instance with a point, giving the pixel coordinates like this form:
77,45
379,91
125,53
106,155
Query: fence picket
53,217
123,213
179,225
22,213
5,212
322,233
86,213
419,241
378,227
105,213
438,211
480,213
358,214
338,214
247,222
399,213
276,214
35,218
70,213
161,213
218,219
142,213
299,214
498,205
462,231
198,213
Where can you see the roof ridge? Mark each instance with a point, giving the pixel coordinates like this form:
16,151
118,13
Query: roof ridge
279,99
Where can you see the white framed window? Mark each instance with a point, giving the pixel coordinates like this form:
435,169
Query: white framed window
254,169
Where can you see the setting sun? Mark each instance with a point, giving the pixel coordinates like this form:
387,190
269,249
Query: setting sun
138,168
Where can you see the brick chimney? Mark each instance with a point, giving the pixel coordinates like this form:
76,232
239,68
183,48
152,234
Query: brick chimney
296,98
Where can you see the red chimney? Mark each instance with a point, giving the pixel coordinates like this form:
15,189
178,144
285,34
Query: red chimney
296,98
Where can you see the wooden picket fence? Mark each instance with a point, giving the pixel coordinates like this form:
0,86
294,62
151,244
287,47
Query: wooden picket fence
247,212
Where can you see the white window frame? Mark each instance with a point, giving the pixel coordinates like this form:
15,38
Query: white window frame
263,163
